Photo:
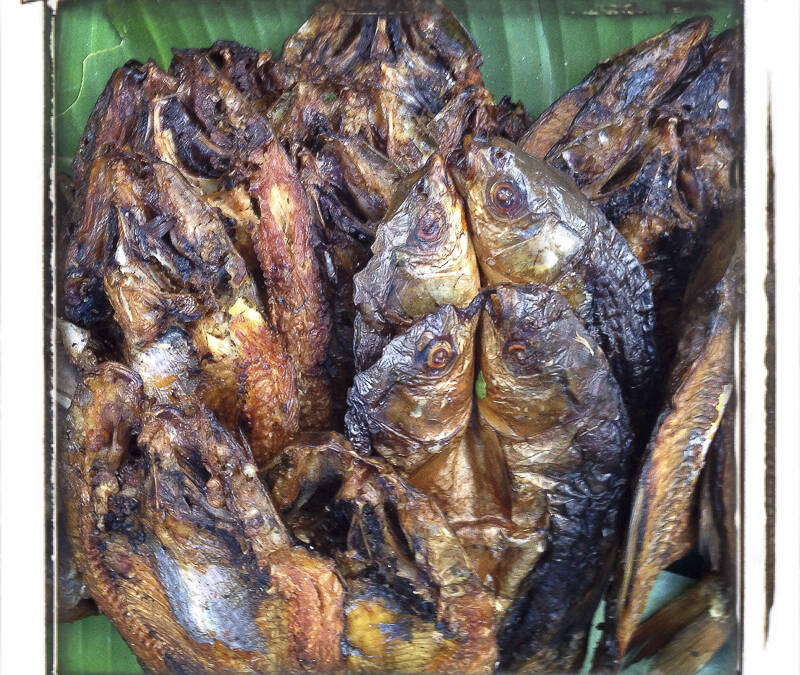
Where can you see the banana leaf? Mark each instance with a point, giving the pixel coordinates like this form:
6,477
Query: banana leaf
534,50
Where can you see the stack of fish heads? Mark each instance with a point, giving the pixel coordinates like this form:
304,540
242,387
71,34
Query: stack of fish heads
530,223
549,430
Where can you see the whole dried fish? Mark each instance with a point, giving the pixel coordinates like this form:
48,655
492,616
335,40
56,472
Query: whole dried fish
654,139
558,418
531,224
168,262
416,400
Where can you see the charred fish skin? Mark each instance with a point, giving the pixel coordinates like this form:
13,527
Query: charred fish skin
422,259
658,154
415,401
413,601
180,543
622,86
558,414
532,224
169,264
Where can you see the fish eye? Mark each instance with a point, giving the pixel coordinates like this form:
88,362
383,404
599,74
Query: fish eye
517,351
429,226
506,197
439,355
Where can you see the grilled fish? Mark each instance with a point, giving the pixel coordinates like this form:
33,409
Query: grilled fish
699,389
415,401
530,223
168,262
556,412
654,141
422,259
180,544
413,602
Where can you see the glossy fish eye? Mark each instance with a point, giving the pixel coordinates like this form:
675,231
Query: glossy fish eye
429,226
517,350
439,355
505,197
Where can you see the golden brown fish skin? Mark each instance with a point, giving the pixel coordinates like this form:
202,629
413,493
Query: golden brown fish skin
159,498
402,563
472,486
553,123
415,401
699,388
684,634
170,264
558,416
422,259
530,223
296,302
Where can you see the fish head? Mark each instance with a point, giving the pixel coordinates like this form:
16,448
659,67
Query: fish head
420,390
423,257
527,220
536,358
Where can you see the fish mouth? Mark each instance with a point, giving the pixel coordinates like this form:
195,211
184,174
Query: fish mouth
463,162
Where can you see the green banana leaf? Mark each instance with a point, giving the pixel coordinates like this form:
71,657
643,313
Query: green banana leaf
534,50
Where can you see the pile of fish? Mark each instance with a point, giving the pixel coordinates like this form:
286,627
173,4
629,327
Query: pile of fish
368,371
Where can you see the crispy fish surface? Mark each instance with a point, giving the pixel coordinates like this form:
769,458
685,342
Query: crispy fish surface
415,401
625,83
530,223
180,543
413,603
168,262
656,146
555,411
422,259
295,297
699,385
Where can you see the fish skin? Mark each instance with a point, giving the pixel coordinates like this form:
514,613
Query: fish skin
638,77
415,401
160,499
552,234
422,259
661,162
699,387
295,298
558,416
169,264
413,601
